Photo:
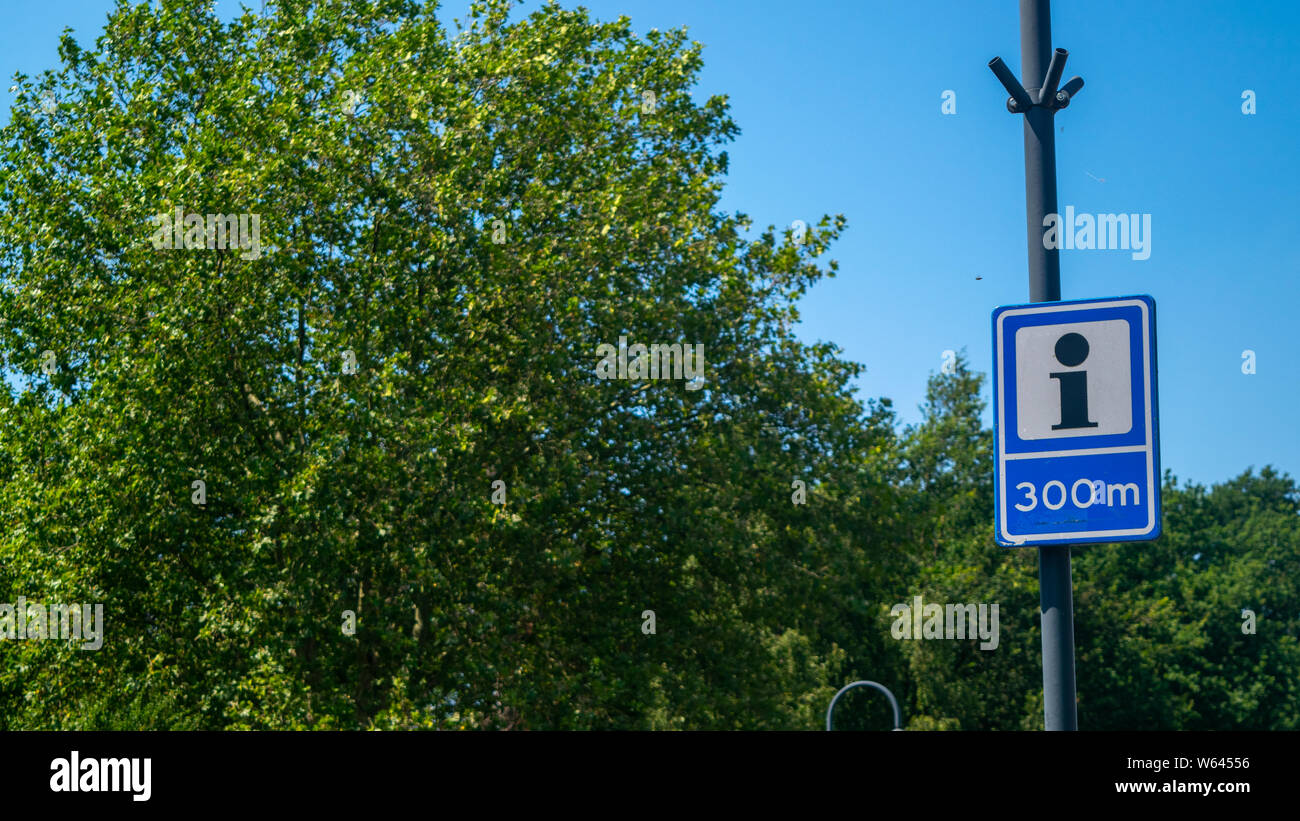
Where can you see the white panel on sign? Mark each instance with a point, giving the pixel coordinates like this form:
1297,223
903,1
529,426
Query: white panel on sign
1073,380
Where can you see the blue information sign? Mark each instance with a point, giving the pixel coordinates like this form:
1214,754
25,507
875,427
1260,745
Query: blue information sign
1075,422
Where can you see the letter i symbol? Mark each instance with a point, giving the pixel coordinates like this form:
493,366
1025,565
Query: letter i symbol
1072,350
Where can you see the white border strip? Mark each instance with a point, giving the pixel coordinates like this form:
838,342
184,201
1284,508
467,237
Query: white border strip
1082,452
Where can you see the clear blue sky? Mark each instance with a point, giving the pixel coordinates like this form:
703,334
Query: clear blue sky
839,106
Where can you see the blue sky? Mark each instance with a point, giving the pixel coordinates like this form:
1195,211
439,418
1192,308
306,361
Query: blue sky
839,105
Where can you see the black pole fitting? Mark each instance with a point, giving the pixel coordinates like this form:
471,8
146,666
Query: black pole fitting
1068,90
1048,96
1047,93
1019,102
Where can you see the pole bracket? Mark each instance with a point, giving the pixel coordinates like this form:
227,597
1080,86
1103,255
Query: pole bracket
1045,96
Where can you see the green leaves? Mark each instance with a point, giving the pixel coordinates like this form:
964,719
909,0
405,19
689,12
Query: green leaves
370,489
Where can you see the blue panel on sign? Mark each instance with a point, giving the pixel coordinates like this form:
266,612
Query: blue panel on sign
1075,423
1059,495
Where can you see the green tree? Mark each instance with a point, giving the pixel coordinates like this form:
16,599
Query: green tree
1160,632
392,401
468,218
947,475
1158,626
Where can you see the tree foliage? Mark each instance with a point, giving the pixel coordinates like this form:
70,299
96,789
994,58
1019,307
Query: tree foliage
468,216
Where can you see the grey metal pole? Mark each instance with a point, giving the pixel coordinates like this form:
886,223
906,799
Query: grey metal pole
1040,150
1055,585
1056,608
1041,69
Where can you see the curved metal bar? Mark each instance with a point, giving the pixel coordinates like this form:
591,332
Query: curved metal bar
898,716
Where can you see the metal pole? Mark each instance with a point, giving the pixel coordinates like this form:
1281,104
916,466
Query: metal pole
1039,100
1040,150
1055,586
1056,608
